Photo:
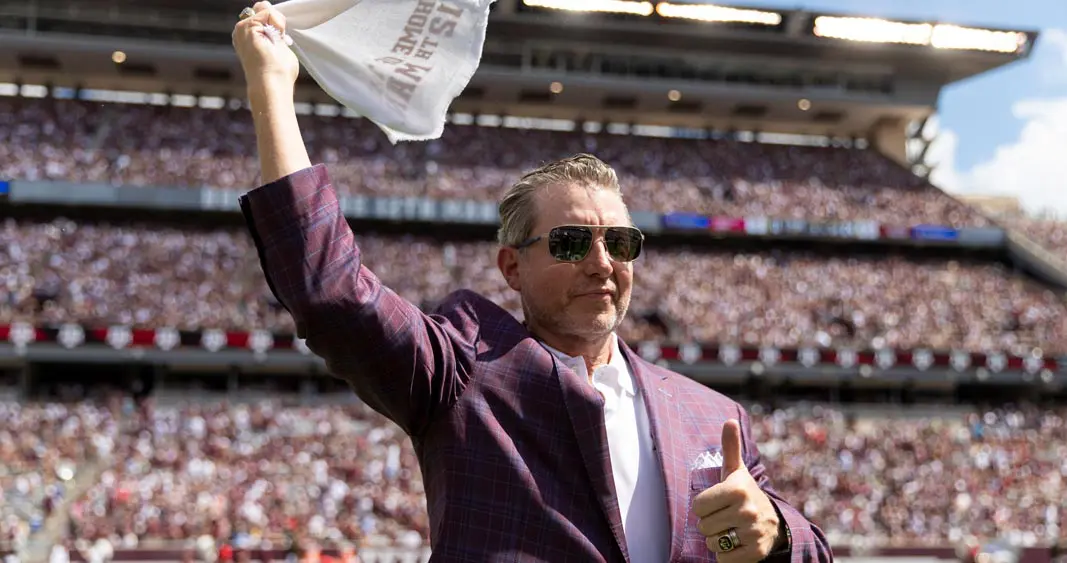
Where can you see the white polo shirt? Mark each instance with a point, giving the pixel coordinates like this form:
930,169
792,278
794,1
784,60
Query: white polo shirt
638,476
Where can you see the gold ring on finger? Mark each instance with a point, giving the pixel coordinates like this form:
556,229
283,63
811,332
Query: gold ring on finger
729,541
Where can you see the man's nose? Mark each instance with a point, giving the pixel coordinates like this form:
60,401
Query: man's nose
599,259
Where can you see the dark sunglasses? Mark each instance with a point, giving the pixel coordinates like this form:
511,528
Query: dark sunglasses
572,243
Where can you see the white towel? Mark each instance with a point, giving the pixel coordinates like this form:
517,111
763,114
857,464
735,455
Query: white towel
399,63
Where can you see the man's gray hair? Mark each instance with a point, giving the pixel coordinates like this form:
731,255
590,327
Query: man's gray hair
518,210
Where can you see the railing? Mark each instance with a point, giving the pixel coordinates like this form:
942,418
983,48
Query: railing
23,339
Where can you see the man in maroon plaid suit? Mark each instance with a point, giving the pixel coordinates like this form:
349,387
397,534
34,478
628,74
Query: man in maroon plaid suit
544,440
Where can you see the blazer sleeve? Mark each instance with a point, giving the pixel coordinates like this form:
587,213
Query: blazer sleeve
807,543
405,364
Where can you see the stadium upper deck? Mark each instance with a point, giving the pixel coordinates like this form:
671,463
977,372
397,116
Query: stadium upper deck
693,65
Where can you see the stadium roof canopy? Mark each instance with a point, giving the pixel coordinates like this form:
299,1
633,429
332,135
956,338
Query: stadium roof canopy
666,63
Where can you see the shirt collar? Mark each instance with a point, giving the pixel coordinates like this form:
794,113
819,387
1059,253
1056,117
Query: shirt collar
617,364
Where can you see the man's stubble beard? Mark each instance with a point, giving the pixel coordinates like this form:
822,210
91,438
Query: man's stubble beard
563,323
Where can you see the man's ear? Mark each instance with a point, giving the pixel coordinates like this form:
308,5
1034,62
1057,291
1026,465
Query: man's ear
507,260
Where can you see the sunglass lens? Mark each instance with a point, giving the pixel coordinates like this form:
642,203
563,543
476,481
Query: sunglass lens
570,244
624,243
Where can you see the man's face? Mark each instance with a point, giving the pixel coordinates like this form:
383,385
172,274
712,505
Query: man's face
586,299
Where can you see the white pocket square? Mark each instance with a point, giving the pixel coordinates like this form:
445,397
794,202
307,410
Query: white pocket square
707,460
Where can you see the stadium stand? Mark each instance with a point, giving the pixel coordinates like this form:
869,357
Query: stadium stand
151,276
152,467
1050,233
321,475
144,145
206,480
43,447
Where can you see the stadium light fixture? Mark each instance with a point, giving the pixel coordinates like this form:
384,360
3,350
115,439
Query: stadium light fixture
872,30
608,6
940,36
721,14
956,37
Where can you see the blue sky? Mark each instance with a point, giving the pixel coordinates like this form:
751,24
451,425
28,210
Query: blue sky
1002,133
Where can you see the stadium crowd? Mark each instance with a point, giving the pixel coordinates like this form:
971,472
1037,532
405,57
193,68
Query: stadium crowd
923,480
267,474
254,473
42,450
156,276
1051,234
131,144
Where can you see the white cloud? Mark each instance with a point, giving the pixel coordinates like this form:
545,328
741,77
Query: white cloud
1032,167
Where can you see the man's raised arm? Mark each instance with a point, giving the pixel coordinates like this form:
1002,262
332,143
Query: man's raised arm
403,363
271,70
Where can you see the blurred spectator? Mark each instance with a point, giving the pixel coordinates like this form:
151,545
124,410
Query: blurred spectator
59,553
98,550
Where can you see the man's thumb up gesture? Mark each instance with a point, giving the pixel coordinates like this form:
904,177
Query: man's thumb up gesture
731,449
736,516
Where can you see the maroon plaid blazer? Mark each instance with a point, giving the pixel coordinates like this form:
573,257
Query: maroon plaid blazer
511,443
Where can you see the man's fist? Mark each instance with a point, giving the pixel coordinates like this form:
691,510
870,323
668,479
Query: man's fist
267,63
737,503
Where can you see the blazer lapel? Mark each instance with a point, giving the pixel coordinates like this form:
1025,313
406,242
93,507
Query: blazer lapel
668,434
585,407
